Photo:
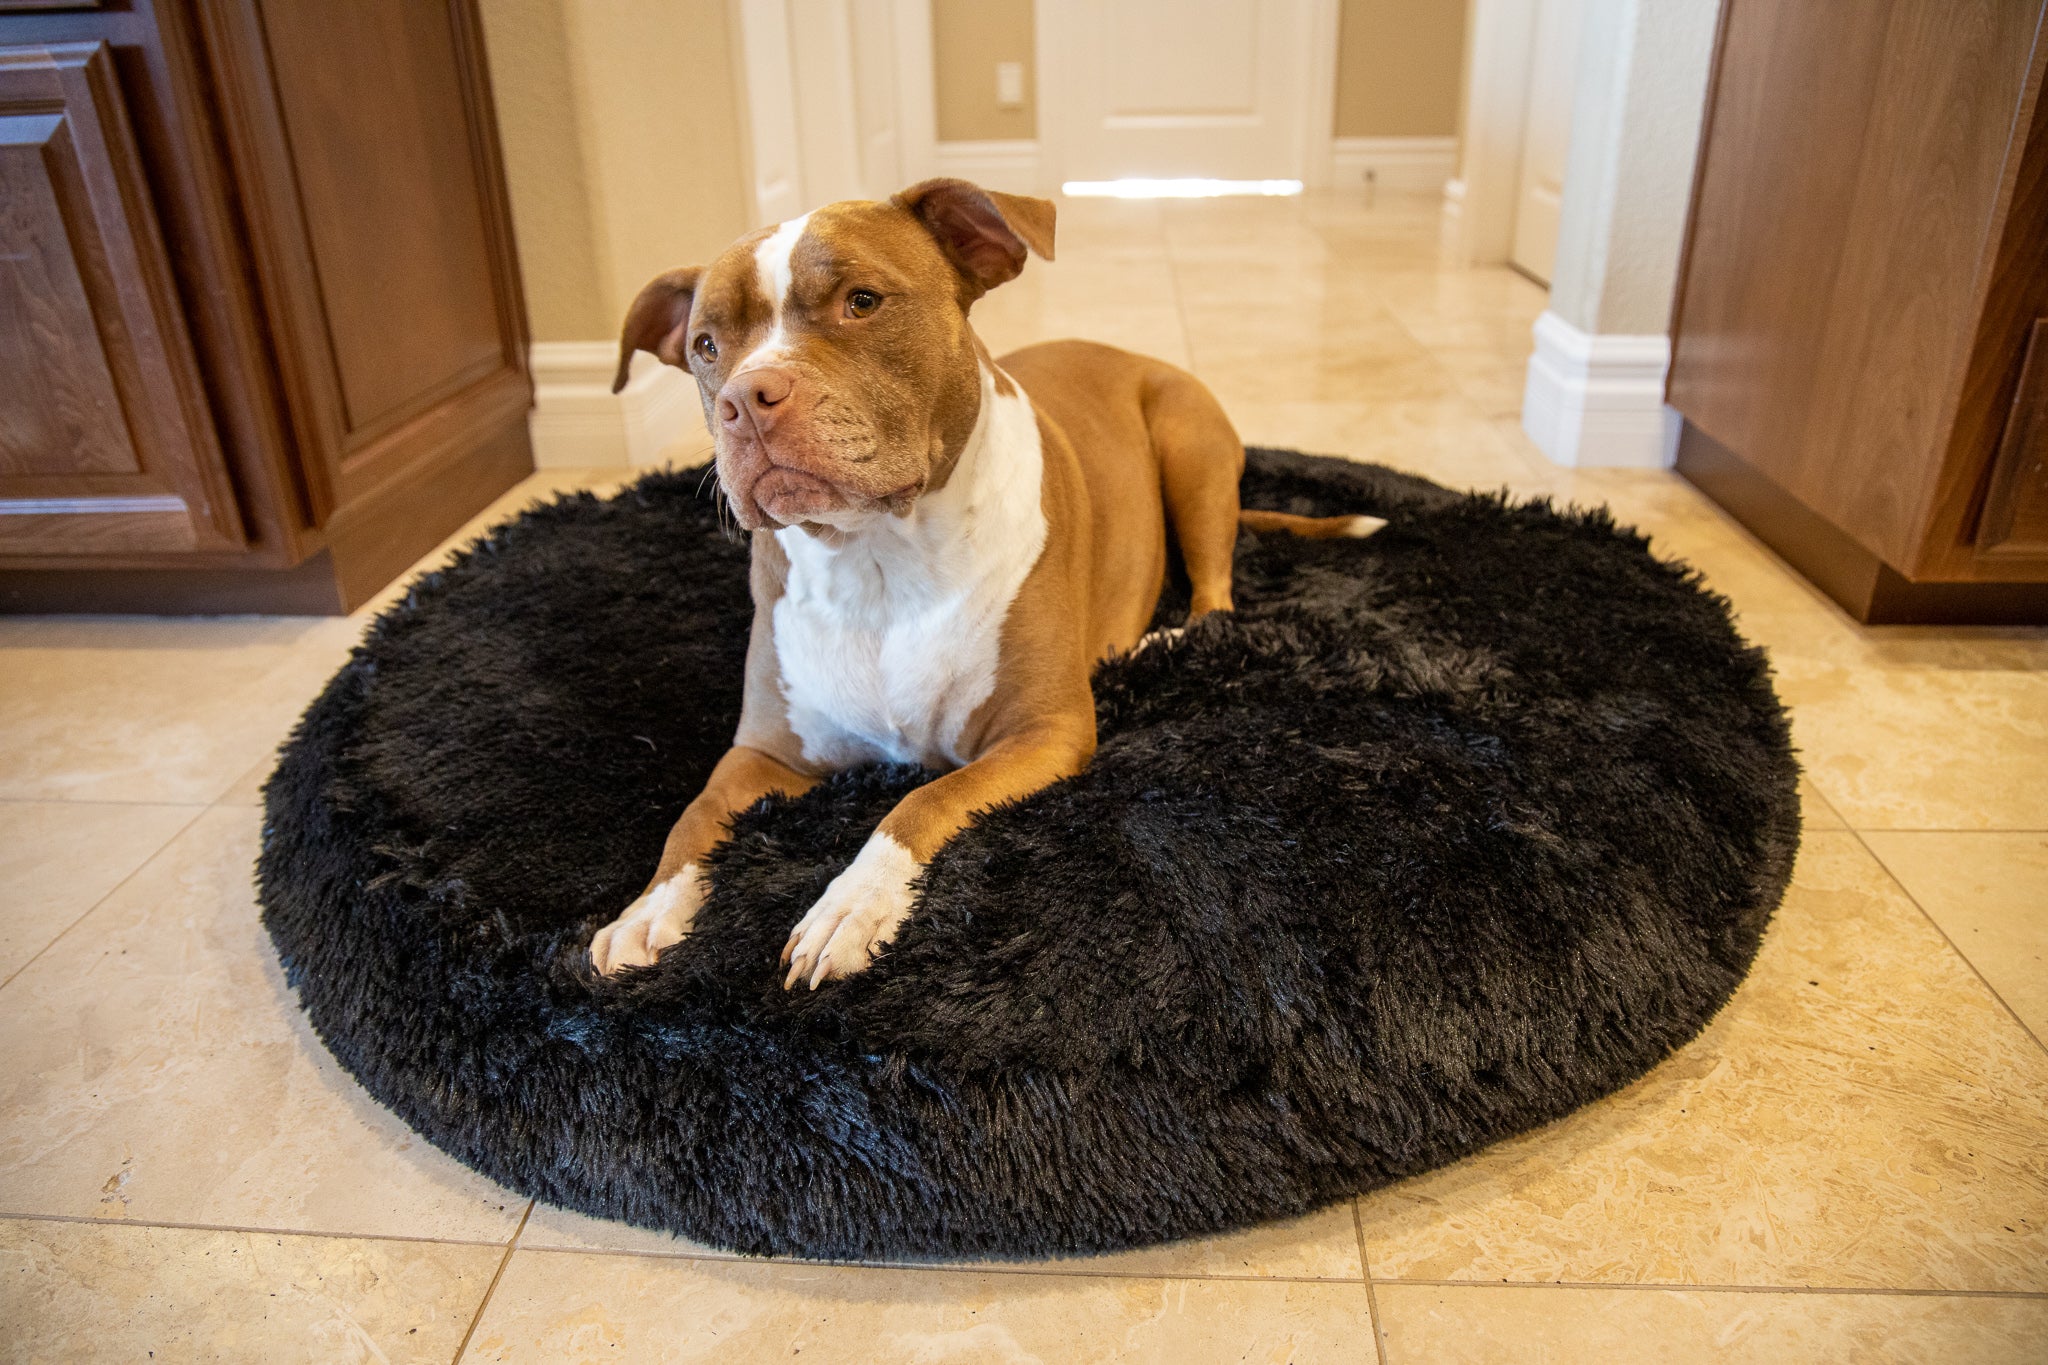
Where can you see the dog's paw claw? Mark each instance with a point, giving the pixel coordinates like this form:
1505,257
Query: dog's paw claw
659,919
860,911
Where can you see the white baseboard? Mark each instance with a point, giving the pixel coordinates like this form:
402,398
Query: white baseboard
1599,400
578,420
1395,163
1451,224
1010,164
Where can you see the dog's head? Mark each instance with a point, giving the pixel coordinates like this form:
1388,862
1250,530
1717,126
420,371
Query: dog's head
832,352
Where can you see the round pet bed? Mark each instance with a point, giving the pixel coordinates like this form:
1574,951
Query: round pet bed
1442,835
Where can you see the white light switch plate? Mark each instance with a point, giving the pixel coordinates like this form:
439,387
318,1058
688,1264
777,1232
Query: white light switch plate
1009,85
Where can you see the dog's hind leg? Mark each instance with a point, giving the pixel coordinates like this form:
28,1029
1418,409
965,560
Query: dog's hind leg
1200,462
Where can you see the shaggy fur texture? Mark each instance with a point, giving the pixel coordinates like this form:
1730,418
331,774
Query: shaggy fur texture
1444,834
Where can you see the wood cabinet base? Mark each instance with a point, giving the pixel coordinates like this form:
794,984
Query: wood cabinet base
377,541
1862,584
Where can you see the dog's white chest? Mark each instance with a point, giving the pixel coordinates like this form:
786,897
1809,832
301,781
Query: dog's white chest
888,641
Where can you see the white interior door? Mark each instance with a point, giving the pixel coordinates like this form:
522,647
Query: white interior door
767,71
820,85
1546,136
1167,88
876,97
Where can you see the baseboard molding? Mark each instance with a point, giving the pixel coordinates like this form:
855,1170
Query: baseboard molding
1394,163
1009,164
1593,399
1451,221
578,420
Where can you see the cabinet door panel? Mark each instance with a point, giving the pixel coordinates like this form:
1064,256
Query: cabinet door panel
106,443
382,240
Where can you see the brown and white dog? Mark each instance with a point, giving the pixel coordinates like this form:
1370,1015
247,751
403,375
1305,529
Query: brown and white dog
943,545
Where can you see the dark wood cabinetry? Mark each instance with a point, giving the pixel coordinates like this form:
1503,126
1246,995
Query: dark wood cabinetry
1865,278
260,320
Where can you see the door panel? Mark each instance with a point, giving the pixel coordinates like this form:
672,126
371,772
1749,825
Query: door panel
391,199
772,111
1177,87
383,247
1546,136
106,444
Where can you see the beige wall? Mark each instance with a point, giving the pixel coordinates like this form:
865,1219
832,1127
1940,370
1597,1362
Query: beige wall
1398,67
968,38
1642,90
623,148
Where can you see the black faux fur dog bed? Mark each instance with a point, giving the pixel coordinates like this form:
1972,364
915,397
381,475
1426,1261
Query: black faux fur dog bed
1444,834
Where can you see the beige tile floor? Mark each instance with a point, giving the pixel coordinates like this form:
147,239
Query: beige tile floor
1851,1163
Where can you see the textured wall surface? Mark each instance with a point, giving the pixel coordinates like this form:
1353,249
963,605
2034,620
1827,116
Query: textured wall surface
1635,132
1398,65
535,89
968,38
623,148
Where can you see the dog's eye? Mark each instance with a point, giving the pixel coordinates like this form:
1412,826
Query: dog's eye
861,302
705,347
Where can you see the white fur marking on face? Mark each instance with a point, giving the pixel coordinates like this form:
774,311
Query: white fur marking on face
888,639
777,276
860,911
659,918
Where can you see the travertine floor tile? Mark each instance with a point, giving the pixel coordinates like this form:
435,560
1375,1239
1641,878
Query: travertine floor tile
575,1306
552,1229
1434,1325
157,1067
1445,439
1900,737
1989,894
90,1292
58,858
247,789
1321,1246
1815,815
153,710
1863,1113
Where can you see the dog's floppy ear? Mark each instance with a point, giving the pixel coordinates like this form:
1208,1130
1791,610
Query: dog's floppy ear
984,233
656,321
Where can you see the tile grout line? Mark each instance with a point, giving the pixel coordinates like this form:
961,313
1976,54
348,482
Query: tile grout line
93,801
1935,924
1372,1298
252,1230
197,813
2028,1295
712,1257
1884,829
1674,1287
511,1245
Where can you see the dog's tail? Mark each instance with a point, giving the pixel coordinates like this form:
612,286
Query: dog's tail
1310,528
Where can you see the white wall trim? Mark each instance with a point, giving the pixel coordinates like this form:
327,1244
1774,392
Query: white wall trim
1500,38
578,420
916,91
1320,166
1062,28
1008,164
1396,163
1599,400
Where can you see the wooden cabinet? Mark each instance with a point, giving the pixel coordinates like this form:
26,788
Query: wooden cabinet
260,323
1865,279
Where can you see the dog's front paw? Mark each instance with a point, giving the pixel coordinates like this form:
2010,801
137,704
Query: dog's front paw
659,918
859,912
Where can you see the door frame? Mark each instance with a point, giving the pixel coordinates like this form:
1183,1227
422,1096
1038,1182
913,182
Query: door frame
795,87
771,107
1481,201
1316,98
